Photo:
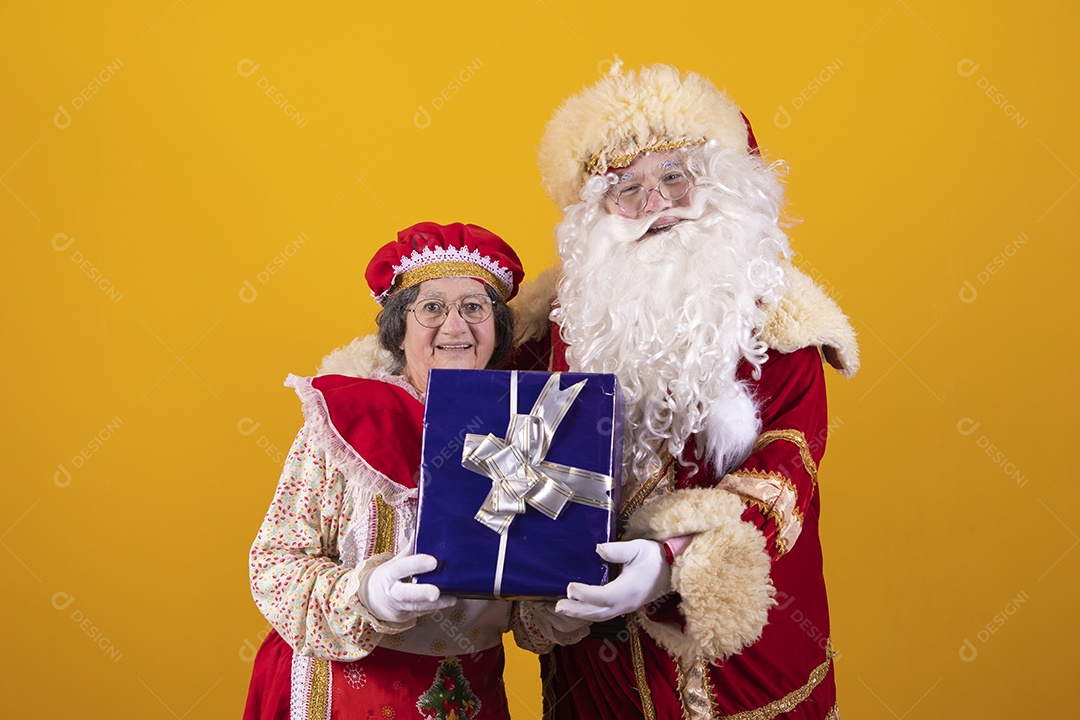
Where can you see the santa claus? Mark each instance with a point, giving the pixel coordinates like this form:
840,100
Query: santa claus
676,277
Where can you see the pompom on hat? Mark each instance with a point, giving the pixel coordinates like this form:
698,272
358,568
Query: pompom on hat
427,251
628,114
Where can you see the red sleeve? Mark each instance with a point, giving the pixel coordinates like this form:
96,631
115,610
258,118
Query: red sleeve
779,478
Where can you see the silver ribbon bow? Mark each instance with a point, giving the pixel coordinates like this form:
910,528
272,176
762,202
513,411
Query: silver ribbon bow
519,473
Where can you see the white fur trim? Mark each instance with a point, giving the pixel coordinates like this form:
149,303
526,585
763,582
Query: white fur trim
532,306
360,358
805,316
731,429
722,577
627,110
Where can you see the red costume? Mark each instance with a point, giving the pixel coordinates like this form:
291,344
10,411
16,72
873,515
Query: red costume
345,645
346,500
789,670
655,284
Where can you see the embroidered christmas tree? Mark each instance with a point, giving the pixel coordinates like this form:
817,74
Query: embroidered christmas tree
449,697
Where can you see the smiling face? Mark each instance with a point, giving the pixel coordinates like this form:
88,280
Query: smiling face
456,343
655,174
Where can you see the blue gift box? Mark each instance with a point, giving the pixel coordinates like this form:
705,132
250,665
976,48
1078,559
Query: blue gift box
461,510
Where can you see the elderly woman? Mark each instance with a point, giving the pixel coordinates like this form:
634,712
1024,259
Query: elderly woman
331,565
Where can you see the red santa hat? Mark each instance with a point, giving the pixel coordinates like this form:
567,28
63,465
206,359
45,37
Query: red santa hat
427,250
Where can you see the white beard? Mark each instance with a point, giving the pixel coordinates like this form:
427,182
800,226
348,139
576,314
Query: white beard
674,313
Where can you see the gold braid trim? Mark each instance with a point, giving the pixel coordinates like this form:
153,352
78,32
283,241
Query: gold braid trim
597,163
793,698
780,478
793,436
647,707
834,714
769,509
545,688
710,692
666,472
319,696
448,268
696,694
680,688
384,527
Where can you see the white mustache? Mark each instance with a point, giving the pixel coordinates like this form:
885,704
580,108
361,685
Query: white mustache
630,229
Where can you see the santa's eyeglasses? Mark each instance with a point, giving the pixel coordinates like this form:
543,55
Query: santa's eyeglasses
633,198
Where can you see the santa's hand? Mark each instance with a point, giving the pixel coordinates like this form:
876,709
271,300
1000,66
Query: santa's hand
645,576
389,599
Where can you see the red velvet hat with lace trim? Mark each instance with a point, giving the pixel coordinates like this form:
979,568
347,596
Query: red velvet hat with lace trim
427,250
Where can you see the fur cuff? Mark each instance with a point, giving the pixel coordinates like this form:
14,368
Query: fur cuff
805,316
360,358
723,577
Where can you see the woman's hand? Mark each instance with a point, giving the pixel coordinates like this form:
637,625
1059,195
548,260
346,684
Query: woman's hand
389,599
645,576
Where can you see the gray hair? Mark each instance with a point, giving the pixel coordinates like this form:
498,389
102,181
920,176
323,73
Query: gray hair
391,321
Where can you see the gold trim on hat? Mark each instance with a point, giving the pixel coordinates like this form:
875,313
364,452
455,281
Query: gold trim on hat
599,162
435,270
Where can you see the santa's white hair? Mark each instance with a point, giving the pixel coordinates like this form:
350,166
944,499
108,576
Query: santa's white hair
672,314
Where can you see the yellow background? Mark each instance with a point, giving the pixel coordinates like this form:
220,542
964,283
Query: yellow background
176,240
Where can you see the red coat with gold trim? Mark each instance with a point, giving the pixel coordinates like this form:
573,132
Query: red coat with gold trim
747,628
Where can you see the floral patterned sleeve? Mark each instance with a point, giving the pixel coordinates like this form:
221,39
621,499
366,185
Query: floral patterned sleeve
297,579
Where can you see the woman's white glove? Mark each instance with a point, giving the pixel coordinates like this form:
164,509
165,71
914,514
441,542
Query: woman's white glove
645,576
389,599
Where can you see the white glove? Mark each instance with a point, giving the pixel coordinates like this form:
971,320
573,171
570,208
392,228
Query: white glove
389,599
645,576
